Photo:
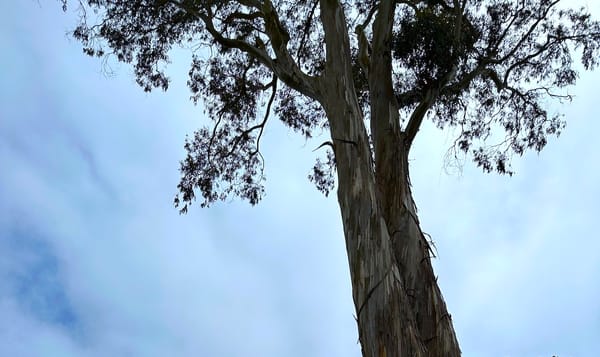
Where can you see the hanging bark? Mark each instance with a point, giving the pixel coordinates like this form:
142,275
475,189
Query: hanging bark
411,250
400,310
388,255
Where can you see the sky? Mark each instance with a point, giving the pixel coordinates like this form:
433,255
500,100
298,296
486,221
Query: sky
96,261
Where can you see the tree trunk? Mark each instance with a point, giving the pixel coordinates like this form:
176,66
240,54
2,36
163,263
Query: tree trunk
411,250
399,308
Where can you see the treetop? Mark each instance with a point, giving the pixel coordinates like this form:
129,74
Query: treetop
480,66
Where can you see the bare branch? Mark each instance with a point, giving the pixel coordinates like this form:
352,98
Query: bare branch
307,25
418,114
529,32
267,112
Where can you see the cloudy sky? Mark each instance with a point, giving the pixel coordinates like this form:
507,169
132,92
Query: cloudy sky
95,261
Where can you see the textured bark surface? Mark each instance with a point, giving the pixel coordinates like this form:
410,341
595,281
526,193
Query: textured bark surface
399,308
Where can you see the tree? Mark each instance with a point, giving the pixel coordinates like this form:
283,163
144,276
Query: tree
485,67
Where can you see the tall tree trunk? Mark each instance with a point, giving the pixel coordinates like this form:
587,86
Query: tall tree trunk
385,322
412,251
399,308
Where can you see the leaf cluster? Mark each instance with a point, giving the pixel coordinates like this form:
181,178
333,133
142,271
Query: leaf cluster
429,43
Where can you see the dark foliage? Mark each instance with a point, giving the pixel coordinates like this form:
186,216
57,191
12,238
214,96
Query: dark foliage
321,174
491,64
428,45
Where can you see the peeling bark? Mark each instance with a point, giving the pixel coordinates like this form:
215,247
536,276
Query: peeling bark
399,308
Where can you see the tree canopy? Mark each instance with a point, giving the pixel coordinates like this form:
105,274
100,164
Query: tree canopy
484,67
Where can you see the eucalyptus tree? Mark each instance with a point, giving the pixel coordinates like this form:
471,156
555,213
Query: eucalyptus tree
369,72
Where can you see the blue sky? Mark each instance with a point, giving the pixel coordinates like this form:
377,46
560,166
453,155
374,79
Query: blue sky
95,261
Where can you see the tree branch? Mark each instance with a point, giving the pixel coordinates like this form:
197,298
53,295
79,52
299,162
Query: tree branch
529,32
283,65
307,25
267,112
418,114
255,52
